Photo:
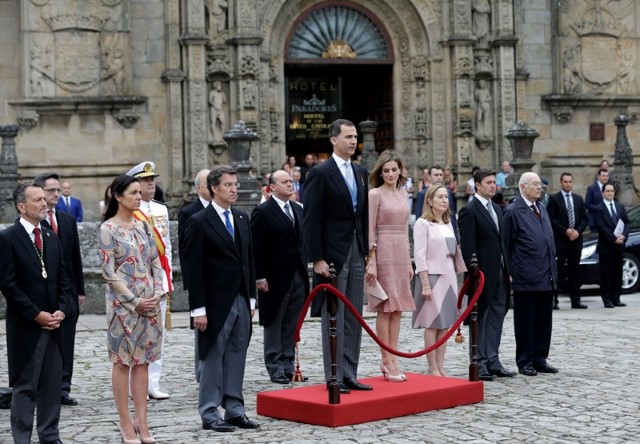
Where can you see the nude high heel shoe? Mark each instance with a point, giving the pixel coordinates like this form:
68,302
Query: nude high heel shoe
125,440
388,376
144,440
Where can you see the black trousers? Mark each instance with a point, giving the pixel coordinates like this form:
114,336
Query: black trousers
532,323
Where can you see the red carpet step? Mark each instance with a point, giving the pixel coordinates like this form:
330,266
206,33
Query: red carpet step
420,393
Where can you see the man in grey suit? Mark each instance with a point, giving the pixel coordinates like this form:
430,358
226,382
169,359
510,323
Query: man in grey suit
283,284
222,292
481,233
336,224
34,282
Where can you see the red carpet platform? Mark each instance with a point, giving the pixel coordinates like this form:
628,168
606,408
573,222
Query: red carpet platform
420,393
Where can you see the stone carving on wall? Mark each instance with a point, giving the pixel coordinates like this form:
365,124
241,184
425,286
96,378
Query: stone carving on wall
483,63
599,54
218,109
218,15
249,93
248,66
481,18
484,115
77,48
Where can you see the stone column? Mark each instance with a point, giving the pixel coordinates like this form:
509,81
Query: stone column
8,172
239,139
369,154
622,173
521,138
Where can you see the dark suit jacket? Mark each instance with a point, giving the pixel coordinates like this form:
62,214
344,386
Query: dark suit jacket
278,252
557,209
531,248
68,234
592,200
219,268
479,235
28,293
329,219
75,208
605,224
185,213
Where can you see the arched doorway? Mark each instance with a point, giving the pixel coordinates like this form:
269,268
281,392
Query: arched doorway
338,64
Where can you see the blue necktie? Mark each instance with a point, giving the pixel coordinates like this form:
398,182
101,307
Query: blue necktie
351,184
228,222
287,210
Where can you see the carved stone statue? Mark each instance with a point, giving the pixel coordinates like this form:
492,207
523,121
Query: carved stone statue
219,15
484,118
218,111
570,79
626,70
481,20
249,93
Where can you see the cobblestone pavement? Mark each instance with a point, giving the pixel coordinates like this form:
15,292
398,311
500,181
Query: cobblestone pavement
595,398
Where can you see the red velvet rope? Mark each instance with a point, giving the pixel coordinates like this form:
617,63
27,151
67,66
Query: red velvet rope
368,329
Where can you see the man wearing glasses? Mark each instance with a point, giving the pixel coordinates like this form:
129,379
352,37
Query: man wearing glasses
532,265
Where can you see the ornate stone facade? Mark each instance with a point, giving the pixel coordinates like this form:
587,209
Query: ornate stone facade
99,85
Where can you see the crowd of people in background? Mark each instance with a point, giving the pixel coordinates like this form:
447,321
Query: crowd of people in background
323,211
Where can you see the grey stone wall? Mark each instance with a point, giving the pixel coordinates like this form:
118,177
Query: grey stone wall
94,284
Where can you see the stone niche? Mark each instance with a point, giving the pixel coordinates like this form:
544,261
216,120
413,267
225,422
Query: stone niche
76,58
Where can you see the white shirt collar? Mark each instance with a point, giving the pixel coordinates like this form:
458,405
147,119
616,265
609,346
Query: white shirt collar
205,203
280,202
482,200
339,160
220,210
28,226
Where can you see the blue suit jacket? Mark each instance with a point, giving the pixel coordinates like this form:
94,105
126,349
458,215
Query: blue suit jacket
75,209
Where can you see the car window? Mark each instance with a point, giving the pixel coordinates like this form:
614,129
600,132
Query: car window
634,217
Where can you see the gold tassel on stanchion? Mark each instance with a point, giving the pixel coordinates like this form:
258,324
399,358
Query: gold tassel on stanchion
459,337
167,323
297,374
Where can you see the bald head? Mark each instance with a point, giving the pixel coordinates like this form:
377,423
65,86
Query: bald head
201,184
280,185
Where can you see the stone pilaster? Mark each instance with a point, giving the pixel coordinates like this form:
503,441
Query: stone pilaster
194,40
8,172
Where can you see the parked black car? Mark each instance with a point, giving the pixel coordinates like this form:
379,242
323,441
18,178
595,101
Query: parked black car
589,261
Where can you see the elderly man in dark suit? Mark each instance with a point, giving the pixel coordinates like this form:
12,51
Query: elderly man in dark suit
336,232
482,233
34,282
68,203
65,226
613,230
276,225
532,264
222,292
568,216
202,201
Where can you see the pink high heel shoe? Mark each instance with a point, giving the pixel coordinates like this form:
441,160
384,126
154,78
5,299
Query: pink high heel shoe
388,376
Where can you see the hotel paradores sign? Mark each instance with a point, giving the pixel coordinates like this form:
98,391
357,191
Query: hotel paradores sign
312,104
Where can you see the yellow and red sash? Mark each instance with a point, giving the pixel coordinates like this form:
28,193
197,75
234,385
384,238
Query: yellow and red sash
164,262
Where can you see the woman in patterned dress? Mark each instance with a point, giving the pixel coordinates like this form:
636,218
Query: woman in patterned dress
438,258
132,270
389,261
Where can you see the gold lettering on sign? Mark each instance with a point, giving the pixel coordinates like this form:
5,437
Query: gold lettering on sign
339,49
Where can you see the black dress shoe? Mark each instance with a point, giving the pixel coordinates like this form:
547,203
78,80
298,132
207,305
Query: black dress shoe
57,441
609,305
68,400
503,373
619,304
578,305
527,370
486,376
219,425
343,388
354,384
280,379
556,307
243,422
290,377
545,368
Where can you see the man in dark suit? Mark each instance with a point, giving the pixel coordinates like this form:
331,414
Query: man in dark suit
482,233
65,226
222,292
534,277
34,282
200,203
336,232
594,196
568,216
611,239
68,203
276,225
